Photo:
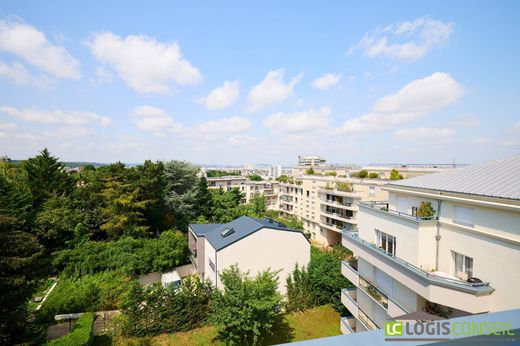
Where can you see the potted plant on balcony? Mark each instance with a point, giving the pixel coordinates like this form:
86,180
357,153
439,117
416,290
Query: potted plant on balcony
425,210
344,187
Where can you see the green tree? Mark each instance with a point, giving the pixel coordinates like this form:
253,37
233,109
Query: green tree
394,175
361,174
310,171
179,193
425,210
46,177
203,200
300,295
19,255
255,177
149,178
56,222
225,205
248,308
373,175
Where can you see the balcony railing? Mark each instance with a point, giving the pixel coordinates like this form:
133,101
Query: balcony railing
481,287
366,320
375,293
332,225
383,206
348,217
339,204
350,326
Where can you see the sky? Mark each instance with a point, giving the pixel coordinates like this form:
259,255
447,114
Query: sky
228,82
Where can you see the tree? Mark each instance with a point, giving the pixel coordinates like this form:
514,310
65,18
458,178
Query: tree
203,199
361,174
333,174
425,210
373,175
247,309
179,192
225,205
46,177
56,222
346,187
149,177
300,295
19,254
255,177
394,175
310,171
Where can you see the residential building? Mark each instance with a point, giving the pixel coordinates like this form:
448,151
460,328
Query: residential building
327,204
408,170
275,172
310,160
250,188
446,243
254,244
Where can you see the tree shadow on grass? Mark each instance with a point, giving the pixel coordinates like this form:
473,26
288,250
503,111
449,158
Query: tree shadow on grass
282,333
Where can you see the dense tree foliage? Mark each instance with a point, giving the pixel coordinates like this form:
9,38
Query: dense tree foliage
248,308
320,283
255,177
215,173
360,174
155,309
132,256
19,254
395,175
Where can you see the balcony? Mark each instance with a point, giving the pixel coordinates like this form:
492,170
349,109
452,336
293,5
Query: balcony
374,292
350,271
382,206
339,216
366,321
332,226
336,192
349,300
348,325
470,297
344,205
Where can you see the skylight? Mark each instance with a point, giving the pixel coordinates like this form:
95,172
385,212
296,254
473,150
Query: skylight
226,232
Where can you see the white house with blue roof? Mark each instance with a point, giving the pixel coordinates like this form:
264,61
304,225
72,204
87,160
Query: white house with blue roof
254,244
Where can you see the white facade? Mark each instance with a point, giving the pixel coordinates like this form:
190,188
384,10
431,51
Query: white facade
267,248
412,263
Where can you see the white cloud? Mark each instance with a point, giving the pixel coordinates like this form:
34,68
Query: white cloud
482,140
146,65
300,122
73,118
413,101
423,134
31,45
516,126
7,126
326,81
271,90
156,121
19,75
406,41
222,97
223,126
242,140
467,121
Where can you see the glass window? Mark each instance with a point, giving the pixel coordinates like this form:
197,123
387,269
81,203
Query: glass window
211,265
386,241
462,264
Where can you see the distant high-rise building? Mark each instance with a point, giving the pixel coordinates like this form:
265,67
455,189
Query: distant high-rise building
275,171
310,160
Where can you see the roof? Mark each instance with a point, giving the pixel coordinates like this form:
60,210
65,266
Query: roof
497,178
240,228
170,277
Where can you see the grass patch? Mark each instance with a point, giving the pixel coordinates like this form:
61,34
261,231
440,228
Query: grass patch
314,323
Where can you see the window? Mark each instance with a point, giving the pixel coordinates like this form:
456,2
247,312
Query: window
211,265
414,211
307,193
386,241
372,191
462,264
226,232
464,216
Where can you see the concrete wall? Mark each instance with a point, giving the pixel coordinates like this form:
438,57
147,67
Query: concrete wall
210,254
264,249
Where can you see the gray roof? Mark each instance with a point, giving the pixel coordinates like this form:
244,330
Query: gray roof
499,178
243,226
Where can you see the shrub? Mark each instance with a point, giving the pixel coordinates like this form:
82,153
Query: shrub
425,210
345,187
361,174
131,256
310,171
373,175
96,292
154,309
333,174
80,335
395,175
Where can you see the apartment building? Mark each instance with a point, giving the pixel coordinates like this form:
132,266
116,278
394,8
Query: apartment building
327,204
310,160
250,188
447,244
408,170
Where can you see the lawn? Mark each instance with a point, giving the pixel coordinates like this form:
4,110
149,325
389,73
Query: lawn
319,322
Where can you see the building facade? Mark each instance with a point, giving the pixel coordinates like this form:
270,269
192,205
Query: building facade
446,243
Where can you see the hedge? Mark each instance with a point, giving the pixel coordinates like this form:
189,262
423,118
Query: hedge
81,334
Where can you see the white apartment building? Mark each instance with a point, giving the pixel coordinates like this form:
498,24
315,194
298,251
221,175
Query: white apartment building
310,160
250,188
327,204
463,259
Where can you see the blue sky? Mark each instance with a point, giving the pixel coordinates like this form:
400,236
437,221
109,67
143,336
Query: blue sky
262,82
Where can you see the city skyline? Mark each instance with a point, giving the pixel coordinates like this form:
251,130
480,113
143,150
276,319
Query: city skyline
266,82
